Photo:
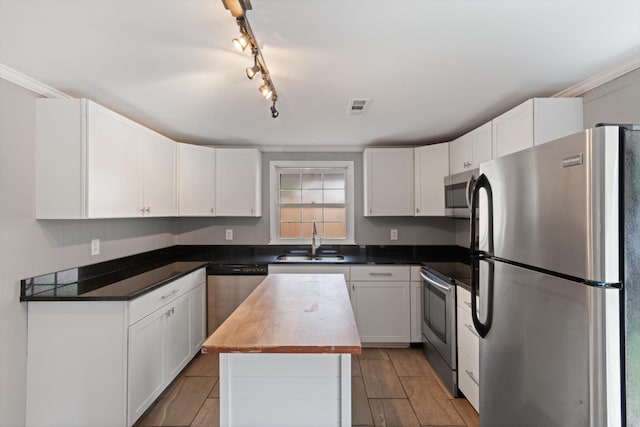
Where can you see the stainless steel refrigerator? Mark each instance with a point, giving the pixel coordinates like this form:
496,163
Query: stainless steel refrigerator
557,276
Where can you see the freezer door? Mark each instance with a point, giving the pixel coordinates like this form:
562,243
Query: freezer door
556,206
551,356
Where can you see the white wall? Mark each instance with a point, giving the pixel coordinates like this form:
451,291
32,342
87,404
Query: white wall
617,101
368,230
29,247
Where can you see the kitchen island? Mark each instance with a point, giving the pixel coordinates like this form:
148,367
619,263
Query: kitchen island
285,354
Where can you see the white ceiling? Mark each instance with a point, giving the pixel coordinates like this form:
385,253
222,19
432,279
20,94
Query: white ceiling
434,69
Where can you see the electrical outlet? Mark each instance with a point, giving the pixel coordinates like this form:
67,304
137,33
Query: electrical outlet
95,247
394,234
228,234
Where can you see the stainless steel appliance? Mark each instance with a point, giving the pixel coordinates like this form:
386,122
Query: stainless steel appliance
439,322
558,271
457,193
227,286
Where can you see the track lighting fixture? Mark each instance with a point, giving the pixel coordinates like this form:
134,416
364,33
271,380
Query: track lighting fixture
238,9
241,42
252,71
266,90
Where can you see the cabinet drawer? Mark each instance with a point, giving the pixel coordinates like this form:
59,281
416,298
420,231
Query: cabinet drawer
380,273
468,339
415,273
148,303
468,381
464,298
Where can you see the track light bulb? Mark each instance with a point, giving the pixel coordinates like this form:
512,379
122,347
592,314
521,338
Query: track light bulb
274,112
241,42
252,71
266,91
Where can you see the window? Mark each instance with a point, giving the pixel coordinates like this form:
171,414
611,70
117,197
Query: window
303,193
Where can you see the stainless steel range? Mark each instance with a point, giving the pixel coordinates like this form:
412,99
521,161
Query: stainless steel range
439,317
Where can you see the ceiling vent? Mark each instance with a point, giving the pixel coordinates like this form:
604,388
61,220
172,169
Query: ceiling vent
358,107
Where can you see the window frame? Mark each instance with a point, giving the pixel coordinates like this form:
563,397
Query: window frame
274,198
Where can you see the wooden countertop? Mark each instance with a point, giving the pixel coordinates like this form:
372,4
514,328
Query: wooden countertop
291,313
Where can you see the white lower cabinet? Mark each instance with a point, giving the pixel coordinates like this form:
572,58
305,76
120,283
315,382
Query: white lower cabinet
416,304
385,299
146,371
102,363
468,350
381,300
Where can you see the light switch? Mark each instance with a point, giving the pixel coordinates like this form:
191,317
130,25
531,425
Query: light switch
394,234
228,234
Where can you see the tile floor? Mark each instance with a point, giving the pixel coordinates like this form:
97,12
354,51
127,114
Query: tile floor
390,387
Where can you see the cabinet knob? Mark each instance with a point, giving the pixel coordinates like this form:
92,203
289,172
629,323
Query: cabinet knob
370,210
211,210
142,210
417,210
148,209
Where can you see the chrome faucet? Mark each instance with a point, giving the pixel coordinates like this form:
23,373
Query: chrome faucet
314,244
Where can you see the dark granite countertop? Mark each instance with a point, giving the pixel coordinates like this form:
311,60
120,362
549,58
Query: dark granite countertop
129,277
458,273
66,285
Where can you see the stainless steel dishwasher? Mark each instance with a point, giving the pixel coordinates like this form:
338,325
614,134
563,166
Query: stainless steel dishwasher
227,286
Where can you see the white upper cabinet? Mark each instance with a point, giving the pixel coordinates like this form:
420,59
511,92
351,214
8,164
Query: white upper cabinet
534,122
388,182
238,182
159,191
431,166
94,163
196,180
112,169
471,149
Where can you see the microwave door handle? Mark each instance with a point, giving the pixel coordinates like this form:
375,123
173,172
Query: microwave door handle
443,288
468,194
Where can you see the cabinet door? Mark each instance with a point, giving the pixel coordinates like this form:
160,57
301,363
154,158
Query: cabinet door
382,311
196,180
431,165
416,312
460,154
146,369
481,145
177,344
197,318
513,130
238,182
113,165
388,182
159,174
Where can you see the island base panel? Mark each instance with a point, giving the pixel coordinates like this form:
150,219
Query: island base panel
285,389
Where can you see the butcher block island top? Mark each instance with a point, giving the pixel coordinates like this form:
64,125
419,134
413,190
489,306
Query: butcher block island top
291,313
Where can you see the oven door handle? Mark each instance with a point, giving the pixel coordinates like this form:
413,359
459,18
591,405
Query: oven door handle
443,288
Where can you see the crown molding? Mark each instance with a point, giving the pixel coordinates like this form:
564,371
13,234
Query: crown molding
22,80
601,78
311,148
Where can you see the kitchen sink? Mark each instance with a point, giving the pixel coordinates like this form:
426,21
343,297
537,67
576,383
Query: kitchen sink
315,258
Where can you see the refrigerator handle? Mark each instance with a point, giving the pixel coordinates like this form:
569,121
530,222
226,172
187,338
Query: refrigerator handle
478,255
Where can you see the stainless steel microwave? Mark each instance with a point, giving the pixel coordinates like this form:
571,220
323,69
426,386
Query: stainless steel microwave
457,193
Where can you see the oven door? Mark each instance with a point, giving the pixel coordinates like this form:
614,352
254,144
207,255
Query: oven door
457,193
439,316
